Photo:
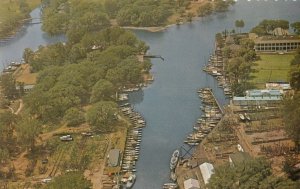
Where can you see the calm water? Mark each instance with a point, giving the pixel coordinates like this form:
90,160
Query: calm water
170,105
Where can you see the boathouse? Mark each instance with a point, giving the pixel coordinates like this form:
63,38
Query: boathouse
206,170
191,184
238,157
113,157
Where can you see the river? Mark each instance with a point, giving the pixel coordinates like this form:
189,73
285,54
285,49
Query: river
170,105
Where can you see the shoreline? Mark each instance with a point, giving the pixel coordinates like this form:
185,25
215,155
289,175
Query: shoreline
150,29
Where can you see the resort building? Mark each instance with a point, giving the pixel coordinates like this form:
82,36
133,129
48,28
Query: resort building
277,43
279,40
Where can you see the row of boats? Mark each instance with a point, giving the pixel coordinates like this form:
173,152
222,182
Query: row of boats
132,146
209,119
175,157
215,67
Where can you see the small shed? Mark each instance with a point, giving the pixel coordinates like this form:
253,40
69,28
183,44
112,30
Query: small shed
207,169
238,158
113,157
191,184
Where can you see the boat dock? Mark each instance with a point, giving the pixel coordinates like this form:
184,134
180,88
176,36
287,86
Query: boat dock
217,102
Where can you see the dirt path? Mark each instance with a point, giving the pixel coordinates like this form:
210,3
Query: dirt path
21,105
96,176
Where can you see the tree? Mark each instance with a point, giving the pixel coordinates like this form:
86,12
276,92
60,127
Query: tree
111,7
266,26
295,71
190,16
239,24
74,117
102,90
28,129
7,124
296,27
72,180
28,55
291,109
253,173
8,85
101,115
205,9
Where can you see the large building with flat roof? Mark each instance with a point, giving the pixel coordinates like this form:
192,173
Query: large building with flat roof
279,40
271,43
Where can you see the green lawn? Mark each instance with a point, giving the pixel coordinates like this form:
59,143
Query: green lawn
271,67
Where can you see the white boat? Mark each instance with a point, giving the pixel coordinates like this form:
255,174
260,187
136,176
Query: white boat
130,181
170,185
176,153
173,162
242,117
247,117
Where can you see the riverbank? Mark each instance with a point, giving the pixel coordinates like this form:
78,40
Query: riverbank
11,15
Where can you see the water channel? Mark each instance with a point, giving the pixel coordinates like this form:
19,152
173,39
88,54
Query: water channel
170,105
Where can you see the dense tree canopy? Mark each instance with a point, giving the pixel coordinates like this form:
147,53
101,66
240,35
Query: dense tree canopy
101,115
8,85
267,26
250,174
296,27
73,180
74,117
92,74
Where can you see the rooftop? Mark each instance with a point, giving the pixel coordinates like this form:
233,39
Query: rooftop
191,184
281,38
207,170
259,98
113,157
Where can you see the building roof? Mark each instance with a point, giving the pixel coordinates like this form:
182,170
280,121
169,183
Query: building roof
279,32
276,39
278,85
191,184
26,87
259,98
239,157
207,170
113,157
265,92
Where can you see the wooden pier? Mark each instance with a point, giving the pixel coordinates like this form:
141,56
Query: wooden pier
220,107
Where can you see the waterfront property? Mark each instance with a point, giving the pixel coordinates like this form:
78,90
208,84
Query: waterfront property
271,43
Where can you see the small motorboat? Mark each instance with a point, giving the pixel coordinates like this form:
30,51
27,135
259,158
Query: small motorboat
242,117
130,181
247,117
170,185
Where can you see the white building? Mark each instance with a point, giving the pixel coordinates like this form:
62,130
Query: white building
207,170
191,184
